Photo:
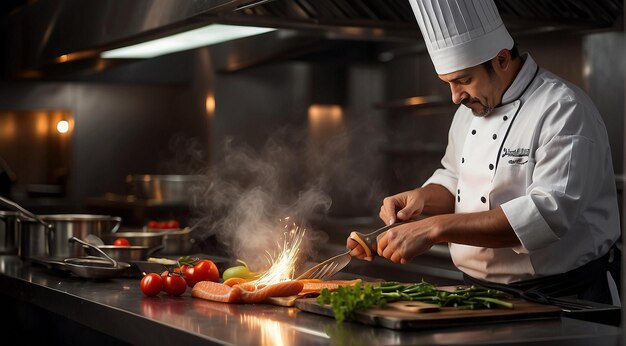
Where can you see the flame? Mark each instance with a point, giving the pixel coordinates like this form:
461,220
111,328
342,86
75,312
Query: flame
283,264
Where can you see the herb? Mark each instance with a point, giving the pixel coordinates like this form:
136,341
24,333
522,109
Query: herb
348,300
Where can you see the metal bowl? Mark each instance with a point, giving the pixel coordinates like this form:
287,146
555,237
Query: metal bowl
147,239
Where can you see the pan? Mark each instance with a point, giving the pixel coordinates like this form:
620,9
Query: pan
131,253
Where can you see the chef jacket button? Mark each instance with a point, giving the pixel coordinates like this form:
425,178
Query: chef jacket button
458,191
473,132
483,199
494,136
462,160
505,118
458,198
491,166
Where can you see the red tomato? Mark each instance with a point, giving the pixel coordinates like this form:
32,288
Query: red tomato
153,224
151,284
171,224
204,270
121,242
183,267
174,285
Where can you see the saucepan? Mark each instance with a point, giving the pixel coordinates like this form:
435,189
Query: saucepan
132,253
65,226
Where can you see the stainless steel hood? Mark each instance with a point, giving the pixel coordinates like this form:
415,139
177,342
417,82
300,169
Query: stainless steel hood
50,35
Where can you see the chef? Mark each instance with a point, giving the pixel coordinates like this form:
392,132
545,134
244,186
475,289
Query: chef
526,195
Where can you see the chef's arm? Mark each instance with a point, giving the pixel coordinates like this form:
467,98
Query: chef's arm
437,200
485,229
432,199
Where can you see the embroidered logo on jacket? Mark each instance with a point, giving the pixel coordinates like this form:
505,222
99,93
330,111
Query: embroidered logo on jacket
518,156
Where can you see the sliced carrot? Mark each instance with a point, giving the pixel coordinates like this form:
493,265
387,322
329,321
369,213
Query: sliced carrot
216,292
234,281
316,287
281,289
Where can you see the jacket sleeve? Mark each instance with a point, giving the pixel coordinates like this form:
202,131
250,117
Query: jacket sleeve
567,159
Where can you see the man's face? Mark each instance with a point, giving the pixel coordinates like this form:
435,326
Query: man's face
474,88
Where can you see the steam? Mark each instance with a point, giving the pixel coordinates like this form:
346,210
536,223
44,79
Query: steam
254,195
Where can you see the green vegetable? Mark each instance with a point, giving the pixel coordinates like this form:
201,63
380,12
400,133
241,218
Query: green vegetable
242,271
164,261
346,301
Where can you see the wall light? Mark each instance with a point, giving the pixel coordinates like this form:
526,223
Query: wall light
63,126
204,36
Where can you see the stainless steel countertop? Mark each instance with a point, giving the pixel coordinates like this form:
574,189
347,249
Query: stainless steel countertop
117,307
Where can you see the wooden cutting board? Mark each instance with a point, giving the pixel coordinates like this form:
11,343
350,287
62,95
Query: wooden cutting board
394,318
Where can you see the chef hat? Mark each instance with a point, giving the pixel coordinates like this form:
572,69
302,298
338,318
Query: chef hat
460,33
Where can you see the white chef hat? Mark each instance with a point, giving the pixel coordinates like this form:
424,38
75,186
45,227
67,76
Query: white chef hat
460,33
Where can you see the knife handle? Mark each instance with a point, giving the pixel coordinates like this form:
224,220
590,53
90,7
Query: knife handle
369,241
365,242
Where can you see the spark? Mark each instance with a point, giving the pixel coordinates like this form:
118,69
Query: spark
283,264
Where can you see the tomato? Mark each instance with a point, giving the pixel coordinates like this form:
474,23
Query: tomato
153,224
174,285
165,274
204,270
171,224
151,284
184,267
121,242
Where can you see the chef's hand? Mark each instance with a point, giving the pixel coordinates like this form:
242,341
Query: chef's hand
401,243
402,206
356,250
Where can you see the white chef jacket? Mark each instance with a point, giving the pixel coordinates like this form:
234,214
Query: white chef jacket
543,156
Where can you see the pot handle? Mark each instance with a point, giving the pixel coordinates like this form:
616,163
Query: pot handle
118,222
19,208
84,243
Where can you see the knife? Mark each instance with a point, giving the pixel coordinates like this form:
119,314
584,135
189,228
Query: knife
335,264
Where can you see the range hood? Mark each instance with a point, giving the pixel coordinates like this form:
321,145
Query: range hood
44,35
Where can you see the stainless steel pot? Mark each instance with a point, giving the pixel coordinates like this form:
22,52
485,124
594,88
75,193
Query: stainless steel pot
33,240
178,242
9,231
65,226
163,188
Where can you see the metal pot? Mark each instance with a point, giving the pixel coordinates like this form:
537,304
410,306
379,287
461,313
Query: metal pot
9,231
33,239
178,242
65,226
147,239
163,188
